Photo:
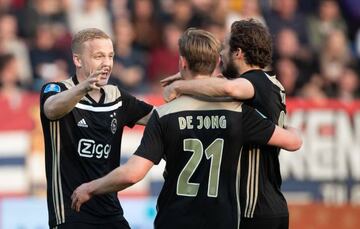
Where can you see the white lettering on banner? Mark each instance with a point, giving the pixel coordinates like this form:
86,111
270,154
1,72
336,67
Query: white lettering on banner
320,161
355,195
324,157
347,147
334,193
293,164
87,148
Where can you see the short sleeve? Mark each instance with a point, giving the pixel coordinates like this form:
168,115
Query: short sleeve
49,90
152,146
258,84
135,109
257,128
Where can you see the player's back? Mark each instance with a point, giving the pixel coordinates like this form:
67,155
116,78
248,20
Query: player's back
201,141
260,171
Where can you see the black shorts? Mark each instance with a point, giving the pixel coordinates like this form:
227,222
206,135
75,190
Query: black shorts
270,223
113,225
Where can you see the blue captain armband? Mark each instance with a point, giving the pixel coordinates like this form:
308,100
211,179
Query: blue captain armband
52,88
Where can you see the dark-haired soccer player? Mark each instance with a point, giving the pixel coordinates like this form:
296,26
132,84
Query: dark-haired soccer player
83,120
201,142
247,51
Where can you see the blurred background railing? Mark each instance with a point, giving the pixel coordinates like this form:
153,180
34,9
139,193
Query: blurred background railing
316,57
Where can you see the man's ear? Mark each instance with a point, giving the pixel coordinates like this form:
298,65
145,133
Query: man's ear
183,63
238,53
220,75
77,60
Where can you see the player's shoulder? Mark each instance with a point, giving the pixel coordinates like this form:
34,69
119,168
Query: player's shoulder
54,87
112,93
275,81
191,103
261,79
51,87
68,83
171,107
255,76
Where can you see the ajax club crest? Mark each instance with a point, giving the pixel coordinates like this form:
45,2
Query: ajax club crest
113,125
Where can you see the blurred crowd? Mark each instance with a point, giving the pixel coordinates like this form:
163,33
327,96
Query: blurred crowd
316,43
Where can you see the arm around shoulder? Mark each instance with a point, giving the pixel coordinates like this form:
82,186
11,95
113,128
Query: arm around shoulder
239,88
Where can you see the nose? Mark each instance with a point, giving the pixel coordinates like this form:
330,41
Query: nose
107,62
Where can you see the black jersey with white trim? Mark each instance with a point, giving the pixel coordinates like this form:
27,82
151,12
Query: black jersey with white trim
84,145
201,143
260,194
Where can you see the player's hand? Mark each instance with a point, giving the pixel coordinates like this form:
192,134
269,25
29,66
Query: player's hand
91,82
170,93
168,80
80,196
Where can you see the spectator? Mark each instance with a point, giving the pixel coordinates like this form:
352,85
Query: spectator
164,59
217,29
182,12
288,74
10,43
287,46
201,15
147,33
313,90
119,8
321,25
39,12
129,62
15,103
285,14
249,9
334,57
349,88
43,57
90,14
9,80
357,45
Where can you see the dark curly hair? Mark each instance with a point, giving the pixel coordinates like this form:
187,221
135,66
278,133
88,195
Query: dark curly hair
254,40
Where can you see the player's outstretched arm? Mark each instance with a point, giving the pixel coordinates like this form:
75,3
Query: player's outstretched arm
58,105
124,176
239,88
288,139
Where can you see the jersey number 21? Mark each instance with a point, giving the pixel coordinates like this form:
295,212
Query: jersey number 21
214,153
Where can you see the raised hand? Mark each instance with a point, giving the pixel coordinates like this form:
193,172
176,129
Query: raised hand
91,82
170,93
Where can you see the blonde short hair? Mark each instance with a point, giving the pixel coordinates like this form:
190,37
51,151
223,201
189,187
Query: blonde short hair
200,49
85,35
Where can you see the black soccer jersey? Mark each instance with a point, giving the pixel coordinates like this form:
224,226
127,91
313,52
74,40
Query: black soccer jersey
200,142
260,194
85,145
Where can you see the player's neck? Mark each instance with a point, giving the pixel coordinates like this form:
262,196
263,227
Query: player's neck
200,76
95,95
80,76
190,76
245,68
